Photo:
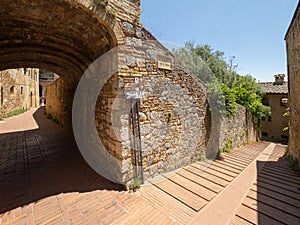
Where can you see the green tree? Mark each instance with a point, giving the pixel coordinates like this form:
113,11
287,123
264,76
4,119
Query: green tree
235,88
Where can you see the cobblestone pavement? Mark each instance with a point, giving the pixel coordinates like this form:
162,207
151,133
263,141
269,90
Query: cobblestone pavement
44,180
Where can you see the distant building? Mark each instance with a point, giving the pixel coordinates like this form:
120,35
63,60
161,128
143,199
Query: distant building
18,89
277,98
46,78
292,39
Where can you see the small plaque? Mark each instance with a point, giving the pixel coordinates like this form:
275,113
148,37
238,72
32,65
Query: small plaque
164,62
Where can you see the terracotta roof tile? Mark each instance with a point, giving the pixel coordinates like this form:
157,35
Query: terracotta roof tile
272,88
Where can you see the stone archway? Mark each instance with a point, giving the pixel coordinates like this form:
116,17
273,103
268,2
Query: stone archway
60,36
64,37
67,36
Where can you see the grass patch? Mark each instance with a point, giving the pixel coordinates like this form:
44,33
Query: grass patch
13,113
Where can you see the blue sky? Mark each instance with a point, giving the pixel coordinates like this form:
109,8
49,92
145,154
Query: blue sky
252,31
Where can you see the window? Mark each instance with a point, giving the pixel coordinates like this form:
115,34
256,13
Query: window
25,71
21,90
284,102
265,101
12,89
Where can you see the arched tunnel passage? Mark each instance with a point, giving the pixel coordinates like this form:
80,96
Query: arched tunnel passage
69,39
64,37
59,36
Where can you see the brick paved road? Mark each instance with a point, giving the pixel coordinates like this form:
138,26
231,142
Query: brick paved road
44,180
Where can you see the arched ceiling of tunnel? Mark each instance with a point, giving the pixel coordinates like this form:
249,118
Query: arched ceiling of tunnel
62,36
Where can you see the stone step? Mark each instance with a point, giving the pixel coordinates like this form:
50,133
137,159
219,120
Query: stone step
181,194
228,166
234,163
276,214
277,195
286,177
274,203
277,187
208,176
193,187
200,180
251,216
164,202
220,168
282,169
213,171
280,180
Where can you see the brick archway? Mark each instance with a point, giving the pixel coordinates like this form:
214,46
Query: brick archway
60,36
63,36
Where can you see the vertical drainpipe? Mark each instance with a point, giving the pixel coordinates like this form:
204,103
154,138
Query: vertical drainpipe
134,135
140,141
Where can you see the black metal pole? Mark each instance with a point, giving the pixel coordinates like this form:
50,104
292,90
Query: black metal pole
140,140
134,137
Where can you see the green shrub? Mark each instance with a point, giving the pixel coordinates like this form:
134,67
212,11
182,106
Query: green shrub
227,147
135,184
235,88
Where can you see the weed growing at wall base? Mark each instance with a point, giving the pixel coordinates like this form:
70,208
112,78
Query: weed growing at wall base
135,184
13,113
49,116
227,147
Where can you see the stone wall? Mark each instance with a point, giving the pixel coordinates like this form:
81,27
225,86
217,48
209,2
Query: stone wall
59,98
240,130
174,125
117,19
172,111
18,89
293,57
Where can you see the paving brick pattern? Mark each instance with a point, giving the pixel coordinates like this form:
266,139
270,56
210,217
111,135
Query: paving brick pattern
182,194
275,196
44,180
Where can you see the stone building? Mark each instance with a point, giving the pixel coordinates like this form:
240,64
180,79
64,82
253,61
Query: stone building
276,97
19,89
292,39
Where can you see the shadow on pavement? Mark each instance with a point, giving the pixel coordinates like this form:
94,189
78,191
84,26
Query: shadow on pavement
38,163
277,192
